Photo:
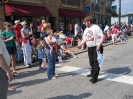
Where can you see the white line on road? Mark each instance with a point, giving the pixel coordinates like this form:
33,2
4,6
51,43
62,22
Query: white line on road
103,75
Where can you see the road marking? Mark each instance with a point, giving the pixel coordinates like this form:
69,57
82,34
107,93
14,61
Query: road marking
103,75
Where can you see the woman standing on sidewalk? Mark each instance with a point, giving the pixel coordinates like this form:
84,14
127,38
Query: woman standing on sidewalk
25,32
9,38
50,58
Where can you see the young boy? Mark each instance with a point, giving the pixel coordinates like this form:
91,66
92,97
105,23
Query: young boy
40,55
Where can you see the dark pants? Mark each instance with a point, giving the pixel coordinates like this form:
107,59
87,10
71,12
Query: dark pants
3,84
40,62
92,53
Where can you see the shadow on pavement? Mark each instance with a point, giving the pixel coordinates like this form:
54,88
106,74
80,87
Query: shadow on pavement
115,72
81,96
29,83
29,73
13,92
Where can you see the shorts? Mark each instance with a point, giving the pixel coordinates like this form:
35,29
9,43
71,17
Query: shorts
3,84
12,50
114,36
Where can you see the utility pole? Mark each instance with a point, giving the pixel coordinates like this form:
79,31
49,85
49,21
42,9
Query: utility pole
119,13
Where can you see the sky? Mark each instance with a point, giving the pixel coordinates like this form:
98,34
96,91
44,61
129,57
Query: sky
126,6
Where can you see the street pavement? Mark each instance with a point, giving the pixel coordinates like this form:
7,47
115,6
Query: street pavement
115,80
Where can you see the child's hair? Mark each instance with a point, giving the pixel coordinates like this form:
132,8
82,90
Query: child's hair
50,32
64,43
79,36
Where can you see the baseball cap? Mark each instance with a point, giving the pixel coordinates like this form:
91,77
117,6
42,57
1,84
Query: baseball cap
88,18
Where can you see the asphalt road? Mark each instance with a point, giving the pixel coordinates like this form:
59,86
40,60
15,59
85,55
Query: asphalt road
115,80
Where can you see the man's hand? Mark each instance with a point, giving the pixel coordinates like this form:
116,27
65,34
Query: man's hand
98,47
9,76
78,47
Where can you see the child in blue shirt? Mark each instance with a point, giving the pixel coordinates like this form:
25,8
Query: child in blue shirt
40,55
19,52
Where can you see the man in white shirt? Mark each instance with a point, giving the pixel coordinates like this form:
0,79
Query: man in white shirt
93,36
76,29
5,73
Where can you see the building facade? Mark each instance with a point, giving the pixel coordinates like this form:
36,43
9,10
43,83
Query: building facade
58,12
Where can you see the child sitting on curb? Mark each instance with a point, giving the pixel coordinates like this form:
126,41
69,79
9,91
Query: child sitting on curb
67,51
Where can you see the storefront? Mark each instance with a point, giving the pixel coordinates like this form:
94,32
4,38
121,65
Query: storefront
27,13
96,18
67,16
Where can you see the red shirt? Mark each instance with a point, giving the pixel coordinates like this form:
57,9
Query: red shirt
41,26
17,30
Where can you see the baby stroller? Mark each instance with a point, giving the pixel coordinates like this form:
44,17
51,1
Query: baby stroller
34,53
34,50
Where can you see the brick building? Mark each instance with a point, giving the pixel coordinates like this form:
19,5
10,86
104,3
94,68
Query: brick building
58,12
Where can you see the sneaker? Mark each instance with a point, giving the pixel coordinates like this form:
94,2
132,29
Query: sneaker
60,61
30,64
41,69
27,65
75,56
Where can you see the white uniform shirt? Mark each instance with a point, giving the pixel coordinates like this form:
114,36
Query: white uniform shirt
76,29
92,35
4,52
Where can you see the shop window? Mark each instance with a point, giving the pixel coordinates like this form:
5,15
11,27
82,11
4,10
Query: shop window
70,2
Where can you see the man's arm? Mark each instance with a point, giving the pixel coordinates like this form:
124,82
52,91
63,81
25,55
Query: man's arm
4,66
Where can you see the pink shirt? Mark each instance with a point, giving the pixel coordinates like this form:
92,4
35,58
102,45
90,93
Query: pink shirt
114,31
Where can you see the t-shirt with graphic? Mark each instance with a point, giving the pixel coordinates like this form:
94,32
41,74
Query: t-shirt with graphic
92,35
7,35
4,52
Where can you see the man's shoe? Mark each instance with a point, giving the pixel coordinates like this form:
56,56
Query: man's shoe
93,80
89,75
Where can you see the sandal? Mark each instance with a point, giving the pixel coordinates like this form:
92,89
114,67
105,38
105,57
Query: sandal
16,72
56,75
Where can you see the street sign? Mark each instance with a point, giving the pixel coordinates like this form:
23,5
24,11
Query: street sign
87,9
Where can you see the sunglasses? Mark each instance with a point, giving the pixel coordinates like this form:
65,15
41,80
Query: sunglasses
8,25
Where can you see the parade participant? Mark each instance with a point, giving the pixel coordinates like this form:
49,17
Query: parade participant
9,38
5,73
51,59
25,32
93,36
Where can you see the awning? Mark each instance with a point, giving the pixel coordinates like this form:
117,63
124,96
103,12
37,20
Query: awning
26,10
71,13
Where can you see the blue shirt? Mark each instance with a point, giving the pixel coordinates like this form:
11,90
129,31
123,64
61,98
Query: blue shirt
40,55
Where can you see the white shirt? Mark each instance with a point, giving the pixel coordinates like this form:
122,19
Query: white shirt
76,28
62,36
92,35
25,31
4,52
